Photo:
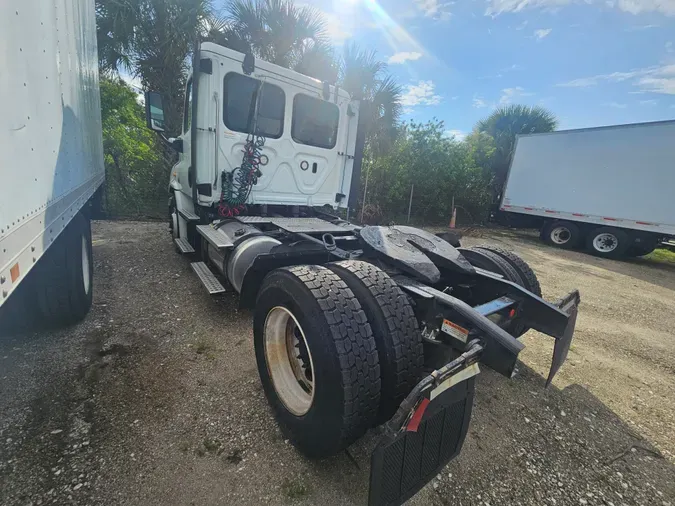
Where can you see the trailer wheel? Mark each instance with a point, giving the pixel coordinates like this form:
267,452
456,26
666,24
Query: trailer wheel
316,358
531,283
64,281
395,329
562,234
608,242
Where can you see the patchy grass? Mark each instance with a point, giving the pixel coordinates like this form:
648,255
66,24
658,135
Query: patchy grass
662,255
294,489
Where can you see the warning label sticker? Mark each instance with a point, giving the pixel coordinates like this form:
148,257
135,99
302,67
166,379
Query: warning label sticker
455,330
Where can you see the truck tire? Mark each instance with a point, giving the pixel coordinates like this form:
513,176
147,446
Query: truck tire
520,265
490,261
395,329
316,358
635,251
64,277
644,247
608,242
562,234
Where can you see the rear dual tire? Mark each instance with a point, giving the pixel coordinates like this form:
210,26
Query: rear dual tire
338,348
340,352
395,330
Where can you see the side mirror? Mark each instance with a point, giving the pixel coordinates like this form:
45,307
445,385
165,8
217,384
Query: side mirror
154,111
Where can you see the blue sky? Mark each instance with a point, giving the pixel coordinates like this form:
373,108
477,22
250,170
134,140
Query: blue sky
591,62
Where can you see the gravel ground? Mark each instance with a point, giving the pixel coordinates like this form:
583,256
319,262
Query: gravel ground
154,399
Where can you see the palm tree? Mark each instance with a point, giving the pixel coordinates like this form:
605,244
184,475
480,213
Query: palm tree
364,76
152,39
295,37
504,124
282,33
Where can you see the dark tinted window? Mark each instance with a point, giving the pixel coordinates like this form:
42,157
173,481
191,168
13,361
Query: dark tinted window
239,106
315,122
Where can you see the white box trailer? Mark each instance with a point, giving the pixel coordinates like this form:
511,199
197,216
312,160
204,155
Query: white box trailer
608,188
50,136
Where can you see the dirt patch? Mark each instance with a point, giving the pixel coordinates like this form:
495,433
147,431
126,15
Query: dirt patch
154,399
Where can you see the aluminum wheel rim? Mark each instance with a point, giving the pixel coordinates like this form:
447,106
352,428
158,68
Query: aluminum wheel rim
605,243
85,265
289,361
560,235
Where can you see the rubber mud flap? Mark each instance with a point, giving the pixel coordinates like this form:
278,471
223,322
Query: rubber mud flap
402,464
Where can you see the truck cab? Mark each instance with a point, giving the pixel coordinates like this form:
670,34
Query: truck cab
305,133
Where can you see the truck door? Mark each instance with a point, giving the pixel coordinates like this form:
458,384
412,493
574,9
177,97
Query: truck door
180,174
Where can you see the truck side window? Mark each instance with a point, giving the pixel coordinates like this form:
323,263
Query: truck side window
315,121
239,106
187,111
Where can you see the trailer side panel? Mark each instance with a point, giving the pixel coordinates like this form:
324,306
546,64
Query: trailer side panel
50,127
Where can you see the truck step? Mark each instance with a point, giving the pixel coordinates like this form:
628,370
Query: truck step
207,278
188,215
215,238
183,246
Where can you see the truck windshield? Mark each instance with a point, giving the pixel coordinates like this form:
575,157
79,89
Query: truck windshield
315,122
239,103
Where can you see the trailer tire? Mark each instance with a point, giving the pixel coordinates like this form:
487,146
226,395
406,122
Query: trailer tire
64,280
395,329
339,347
608,242
562,234
526,273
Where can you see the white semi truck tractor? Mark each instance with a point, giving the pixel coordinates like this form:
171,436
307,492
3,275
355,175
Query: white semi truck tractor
50,137
354,327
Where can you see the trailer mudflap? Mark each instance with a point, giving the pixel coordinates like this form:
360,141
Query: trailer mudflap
427,431
569,304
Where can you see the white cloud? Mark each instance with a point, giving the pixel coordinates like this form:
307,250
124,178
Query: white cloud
667,7
543,32
522,25
638,28
404,56
434,9
133,81
511,94
649,102
655,79
421,93
457,134
615,105
479,102
336,28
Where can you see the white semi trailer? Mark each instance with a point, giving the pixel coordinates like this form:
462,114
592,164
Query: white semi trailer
354,327
608,189
50,137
